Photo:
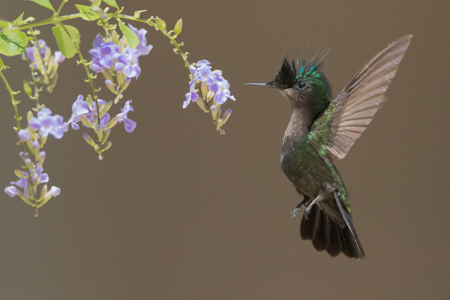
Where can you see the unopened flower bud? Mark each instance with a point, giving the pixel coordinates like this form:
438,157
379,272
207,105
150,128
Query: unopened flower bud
41,158
54,191
101,12
88,139
110,85
107,146
29,163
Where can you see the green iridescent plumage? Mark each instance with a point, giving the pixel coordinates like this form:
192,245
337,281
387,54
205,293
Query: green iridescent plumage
321,131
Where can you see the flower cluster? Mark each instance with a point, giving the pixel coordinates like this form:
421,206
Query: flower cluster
115,58
98,119
209,90
41,59
35,136
86,110
28,182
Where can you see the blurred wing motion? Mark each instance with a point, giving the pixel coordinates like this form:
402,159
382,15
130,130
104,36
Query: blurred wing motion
349,114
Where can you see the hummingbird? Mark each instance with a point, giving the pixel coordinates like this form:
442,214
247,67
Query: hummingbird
322,130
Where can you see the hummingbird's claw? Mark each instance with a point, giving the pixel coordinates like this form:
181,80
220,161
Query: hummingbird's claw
306,214
309,207
295,212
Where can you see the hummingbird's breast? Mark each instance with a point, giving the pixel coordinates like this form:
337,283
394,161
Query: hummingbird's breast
302,165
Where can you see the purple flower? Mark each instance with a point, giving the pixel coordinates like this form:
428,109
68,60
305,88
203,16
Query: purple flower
79,108
224,92
30,52
54,191
24,134
130,63
104,120
12,191
37,177
130,125
47,124
191,96
142,48
103,54
107,55
202,70
114,61
98,41
213,79
59,58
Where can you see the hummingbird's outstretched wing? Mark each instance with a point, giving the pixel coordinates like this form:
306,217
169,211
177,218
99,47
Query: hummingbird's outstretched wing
349,114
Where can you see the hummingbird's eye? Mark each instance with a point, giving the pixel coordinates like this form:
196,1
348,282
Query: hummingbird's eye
302,85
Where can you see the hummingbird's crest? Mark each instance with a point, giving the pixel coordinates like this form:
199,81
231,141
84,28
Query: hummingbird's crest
286,76
289,74
311,69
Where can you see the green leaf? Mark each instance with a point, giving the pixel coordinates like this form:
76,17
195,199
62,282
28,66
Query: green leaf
2,65
112,3
64,41
4,25
12,42
132,38
178,26
87,13
160,24
20,21
44,3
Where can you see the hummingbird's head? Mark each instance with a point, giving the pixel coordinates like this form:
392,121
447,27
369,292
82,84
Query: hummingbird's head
303,85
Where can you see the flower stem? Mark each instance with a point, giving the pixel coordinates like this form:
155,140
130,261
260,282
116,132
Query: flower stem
60,7
40,56
48,21
89,75
16,112
60,19
171,38
14,102
35,83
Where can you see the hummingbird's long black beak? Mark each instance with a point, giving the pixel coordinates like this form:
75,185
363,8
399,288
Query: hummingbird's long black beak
263,84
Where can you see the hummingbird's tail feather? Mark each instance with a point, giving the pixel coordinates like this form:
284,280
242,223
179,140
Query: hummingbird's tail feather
327,235
349,223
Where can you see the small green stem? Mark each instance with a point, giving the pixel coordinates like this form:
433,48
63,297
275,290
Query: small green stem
35,82
11,94
171,38
83,62
60,7
105,26
48,21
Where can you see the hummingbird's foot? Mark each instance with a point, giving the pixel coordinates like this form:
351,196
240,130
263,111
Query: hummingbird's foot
295,212
308,209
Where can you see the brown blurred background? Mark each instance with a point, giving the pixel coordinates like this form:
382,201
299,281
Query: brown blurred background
177,211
